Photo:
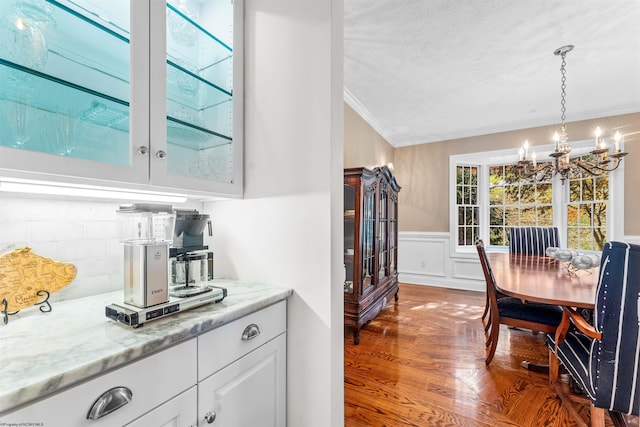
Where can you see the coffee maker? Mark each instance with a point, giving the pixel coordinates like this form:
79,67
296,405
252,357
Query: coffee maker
191,262
146,233
167,268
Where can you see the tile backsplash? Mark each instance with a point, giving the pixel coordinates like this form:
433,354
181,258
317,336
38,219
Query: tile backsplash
79,232
84,233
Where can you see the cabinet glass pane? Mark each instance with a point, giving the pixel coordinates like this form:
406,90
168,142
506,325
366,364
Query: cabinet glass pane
368,254
199,89
65,72
350,239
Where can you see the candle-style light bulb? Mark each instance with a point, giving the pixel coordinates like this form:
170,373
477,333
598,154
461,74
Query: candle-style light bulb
521,153
616,138
598,134
556,140
533,158
526,148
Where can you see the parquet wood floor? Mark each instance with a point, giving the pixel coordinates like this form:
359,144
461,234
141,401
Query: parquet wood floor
420,362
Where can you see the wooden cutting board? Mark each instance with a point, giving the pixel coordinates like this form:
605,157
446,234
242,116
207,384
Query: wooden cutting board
24,273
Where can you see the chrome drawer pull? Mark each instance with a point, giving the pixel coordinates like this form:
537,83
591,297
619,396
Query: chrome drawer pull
250,332
110,400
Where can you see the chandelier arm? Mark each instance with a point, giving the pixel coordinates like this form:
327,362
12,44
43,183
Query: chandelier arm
590,167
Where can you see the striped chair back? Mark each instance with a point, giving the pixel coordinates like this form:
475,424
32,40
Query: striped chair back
532,240
615,360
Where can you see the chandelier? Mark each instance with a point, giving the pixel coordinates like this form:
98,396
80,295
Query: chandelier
601,159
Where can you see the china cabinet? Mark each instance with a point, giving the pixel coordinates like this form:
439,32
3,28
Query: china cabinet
370,244
133,94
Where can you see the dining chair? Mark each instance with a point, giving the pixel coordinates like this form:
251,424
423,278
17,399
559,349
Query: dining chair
532,240
513,311
603,358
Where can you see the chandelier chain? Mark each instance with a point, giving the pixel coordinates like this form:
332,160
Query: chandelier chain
563,87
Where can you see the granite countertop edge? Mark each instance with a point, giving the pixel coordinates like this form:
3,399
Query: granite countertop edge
81,342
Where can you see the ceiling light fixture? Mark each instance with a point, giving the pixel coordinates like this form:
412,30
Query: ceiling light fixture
599,162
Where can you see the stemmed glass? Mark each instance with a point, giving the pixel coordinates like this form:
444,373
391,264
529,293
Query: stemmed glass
21,122
66,133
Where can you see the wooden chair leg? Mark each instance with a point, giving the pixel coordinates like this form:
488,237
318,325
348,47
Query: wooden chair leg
597,416
554,368
495,331
486,307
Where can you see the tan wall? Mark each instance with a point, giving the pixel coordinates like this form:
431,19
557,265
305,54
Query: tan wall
363,146
423,170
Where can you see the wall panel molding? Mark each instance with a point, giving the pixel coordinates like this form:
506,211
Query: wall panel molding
424,259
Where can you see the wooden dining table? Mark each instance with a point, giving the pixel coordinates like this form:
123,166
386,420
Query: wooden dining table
539,278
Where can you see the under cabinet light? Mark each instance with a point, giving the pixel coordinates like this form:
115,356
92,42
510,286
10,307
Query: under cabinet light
88,192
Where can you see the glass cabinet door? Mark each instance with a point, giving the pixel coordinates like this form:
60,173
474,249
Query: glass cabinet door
382,230
64,67
199,89
350,235
368,233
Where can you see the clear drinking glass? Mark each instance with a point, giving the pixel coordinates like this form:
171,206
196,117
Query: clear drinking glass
66,133
20,117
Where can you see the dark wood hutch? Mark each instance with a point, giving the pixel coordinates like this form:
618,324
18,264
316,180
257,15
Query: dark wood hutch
370,244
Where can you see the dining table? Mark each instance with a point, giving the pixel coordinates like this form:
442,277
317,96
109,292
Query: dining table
546,280
543,279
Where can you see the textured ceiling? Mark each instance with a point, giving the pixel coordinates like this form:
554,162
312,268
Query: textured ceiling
421,71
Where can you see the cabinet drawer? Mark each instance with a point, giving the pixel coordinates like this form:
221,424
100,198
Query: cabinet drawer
152,381
222,346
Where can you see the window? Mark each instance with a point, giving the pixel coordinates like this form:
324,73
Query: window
487,198
516,202
587,211
467,205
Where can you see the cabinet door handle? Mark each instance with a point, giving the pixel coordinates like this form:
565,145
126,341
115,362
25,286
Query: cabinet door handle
210,417
250,332
161,154
143,150
110,401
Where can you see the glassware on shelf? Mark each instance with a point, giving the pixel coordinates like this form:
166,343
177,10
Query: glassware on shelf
20,119
182,31
37,11
23,42
67,127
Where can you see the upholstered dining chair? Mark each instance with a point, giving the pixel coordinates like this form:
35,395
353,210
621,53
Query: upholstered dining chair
513,311
604,358
532,240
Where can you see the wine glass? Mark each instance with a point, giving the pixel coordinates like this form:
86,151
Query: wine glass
66,133
20,118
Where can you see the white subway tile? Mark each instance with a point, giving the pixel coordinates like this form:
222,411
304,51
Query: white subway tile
13,232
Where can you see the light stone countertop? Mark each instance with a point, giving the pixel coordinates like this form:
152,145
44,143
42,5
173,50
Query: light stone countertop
41,353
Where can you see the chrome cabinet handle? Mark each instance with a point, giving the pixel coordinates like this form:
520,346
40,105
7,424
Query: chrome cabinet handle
161,154
143,150
210,417
109,401
250,332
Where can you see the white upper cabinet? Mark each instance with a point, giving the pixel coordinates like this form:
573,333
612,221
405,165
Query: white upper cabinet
142,94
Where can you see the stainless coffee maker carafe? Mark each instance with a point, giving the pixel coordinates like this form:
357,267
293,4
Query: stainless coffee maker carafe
191,263
146,231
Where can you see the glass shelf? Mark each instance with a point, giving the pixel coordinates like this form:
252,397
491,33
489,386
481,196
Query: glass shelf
54,95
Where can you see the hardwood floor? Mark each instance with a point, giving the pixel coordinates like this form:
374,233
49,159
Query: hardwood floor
420,362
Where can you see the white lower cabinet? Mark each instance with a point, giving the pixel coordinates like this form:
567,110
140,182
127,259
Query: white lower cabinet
234,375
180,411
249,392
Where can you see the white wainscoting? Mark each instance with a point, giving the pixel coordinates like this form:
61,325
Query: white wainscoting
424,259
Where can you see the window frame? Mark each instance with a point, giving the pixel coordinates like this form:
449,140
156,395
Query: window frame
560,193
